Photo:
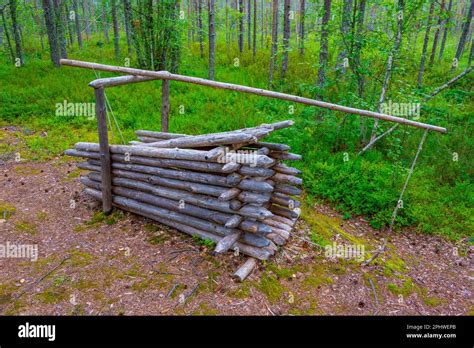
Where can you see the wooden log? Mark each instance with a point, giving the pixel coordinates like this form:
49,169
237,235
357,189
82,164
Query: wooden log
256,171
276,238
255,227
254,197
179,205
143,139
104,149
284,169
165,104
290,214
278,224
233,179
171,193
83,154
282,233
215,153
286,156
184,175
243,89
253,185
263,151
255,240
284,220
256,212
284,200
244,270
186,214
287,179
231,167
207,140
194,199
149,212
183,154
229,194
226,243
159,135
154,162
157,180
272,146
287,189
233,221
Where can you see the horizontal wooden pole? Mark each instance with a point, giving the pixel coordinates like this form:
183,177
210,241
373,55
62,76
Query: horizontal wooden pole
239,88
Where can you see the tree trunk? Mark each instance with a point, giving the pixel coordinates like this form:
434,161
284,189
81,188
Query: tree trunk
471,53
128,24
105,25
93,19
425,46
445,32
301,31
465,31
212,39
254,53
356,66
200,34
51,30
345,30
323,50
116,29
77,23
61,24
16,32
388,71
286,37
436,35
69,23
7,35
249,24
274,41
241,26
86,15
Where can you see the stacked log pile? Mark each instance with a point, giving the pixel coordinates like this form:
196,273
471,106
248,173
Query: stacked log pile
228,187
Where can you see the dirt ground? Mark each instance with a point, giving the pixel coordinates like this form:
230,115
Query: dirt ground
123,264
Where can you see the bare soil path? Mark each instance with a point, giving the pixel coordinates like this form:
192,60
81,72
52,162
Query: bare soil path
125,264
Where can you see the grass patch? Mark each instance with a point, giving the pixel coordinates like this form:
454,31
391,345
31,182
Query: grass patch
26,227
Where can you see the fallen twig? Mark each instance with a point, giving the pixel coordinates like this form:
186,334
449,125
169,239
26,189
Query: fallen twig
376,253
375,295
39,280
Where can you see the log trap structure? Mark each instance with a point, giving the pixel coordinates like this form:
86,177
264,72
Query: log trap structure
232,187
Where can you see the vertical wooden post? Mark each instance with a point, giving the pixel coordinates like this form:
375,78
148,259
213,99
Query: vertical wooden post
106,177
165,104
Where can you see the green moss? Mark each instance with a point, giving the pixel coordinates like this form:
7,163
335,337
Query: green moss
158,238
204,309
26,226
142,285
80,258
42,216
271,287
52,295
434,301
6,210
318,275
406,289
100,217
26,170
281,272
241,291
74,173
